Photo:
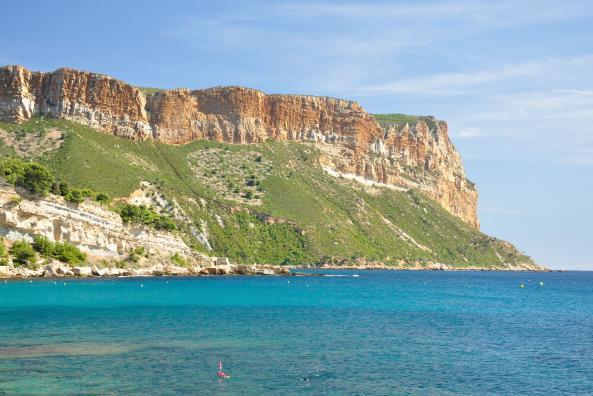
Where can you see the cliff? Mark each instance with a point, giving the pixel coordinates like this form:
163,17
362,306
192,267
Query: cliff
416,155
95,230
277,203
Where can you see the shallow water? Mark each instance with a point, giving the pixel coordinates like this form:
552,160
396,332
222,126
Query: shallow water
383,332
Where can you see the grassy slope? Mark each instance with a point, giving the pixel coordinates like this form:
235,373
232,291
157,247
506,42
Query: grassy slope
327,217
396,118
149,90
402,119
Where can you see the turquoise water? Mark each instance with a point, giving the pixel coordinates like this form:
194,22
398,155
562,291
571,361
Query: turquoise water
379,333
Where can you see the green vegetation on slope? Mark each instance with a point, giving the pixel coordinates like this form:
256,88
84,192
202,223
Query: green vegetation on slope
23,254
141,214
402,119
64,252
149,90
33,177
396,118
301,214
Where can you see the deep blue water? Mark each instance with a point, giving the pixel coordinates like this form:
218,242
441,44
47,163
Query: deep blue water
383,332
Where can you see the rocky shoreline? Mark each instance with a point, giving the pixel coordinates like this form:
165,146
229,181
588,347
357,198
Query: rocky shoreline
431,267
60,270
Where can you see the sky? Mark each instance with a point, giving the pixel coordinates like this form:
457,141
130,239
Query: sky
513,79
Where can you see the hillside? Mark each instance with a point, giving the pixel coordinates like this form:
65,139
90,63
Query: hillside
275,202
415,154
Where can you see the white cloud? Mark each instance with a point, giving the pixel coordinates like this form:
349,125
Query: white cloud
551,111
555,126
472,82
348,48
448,83
498,13
413,54
502,211
468,133
583,157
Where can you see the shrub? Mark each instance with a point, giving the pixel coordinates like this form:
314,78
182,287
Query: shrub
2,248
87,193
55,188
133,257
177,259
64,189
141,251
33,177
164,223
15,200
36,179
136,214
43,246
12,169
102,197
75,195
60,188
141,214
248,194
68,253
23,253
136,254
65,252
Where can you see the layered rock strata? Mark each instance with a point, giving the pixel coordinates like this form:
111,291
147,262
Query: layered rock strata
97,231
92,99
415,155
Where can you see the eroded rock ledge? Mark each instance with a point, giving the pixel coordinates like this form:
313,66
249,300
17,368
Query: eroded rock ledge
98,232
416,155
59,270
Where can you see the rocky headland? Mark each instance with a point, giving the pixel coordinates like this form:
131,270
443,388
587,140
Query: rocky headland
233,172
417,154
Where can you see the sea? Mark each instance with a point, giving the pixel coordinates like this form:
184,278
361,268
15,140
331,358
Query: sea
345,333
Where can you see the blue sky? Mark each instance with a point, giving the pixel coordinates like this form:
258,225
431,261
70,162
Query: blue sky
514,80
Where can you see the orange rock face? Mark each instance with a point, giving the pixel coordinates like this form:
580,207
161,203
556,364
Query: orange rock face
242,115
93,99
418,156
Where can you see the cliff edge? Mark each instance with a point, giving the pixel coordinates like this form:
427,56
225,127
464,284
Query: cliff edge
417,154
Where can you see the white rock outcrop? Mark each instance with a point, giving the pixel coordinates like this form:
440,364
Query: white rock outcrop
92,228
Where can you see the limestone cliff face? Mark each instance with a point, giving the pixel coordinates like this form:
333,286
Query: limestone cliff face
242,115
93,99
419,155
95,230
